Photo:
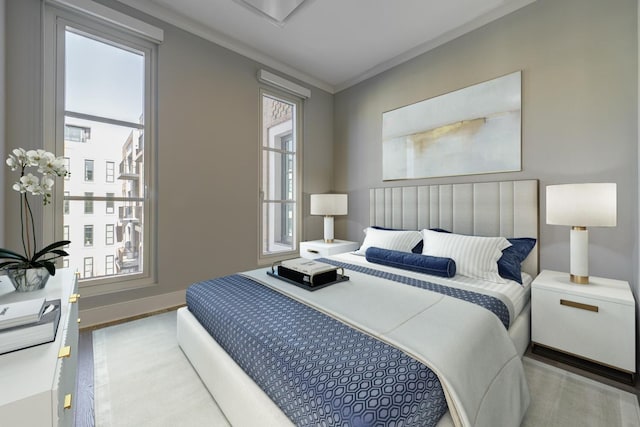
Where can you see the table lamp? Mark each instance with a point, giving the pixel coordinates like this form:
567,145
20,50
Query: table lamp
581,206
328,205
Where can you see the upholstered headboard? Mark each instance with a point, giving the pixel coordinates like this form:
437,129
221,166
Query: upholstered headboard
505,208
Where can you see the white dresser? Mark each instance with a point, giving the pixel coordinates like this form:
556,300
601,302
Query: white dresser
318,248
37,383
595,321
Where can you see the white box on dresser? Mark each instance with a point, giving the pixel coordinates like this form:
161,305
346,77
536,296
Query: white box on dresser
318,248
37,384
595,321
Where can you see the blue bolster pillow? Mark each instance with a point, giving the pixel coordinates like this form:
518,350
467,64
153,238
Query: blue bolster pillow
436,266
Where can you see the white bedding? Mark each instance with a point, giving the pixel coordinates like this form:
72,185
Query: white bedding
490,390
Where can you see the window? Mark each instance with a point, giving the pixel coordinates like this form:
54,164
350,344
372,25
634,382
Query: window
65,234
99,93
88,203
67,165
110,168
88,267
88,170
66,202
109,265
76,133
279,209
88,235
109,234
110,204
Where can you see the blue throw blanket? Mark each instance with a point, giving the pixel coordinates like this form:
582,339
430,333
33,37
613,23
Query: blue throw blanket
318,370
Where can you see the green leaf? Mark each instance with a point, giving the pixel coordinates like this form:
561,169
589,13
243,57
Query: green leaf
59,253
51,267
6,253
4,264
50,248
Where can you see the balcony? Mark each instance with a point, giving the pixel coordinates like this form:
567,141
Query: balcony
128,170
130,214
127,260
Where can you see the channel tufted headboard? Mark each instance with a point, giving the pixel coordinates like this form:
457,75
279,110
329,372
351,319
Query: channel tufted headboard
504,208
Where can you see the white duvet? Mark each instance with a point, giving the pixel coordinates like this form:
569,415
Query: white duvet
464,344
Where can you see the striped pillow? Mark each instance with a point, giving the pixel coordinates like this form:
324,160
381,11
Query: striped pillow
397,240
475,256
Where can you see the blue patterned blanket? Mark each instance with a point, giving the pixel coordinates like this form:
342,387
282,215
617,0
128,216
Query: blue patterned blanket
318,370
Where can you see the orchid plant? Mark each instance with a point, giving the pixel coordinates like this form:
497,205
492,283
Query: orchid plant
49,166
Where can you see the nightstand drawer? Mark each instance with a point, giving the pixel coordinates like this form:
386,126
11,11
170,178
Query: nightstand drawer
590,328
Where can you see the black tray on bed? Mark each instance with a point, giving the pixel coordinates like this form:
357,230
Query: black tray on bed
341,278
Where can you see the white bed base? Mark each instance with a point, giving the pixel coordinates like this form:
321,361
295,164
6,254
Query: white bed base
240,399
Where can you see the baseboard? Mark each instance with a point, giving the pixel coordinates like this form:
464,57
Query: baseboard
129,309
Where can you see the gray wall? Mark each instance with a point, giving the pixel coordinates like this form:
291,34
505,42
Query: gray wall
580,107
208,152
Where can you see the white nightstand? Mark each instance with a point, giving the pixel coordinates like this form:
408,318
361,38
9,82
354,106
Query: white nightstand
595,322
318,248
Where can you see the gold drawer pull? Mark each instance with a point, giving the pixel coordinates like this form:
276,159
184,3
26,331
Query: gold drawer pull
64,352
579,305
67,401
74,298
313,251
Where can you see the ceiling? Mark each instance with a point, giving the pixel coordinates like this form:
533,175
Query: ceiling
331,44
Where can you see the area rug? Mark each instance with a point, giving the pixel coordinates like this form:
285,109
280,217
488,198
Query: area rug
142,378
564,399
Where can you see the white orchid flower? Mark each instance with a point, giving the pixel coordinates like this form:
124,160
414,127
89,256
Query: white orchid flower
47,184
30,181
12,162
19,187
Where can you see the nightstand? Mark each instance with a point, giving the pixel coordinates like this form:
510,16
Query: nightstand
318,248
594,322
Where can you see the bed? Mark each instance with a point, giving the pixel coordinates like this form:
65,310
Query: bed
476,360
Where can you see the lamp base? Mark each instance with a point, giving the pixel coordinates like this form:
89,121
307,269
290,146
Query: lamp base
580,280
328,229
579,261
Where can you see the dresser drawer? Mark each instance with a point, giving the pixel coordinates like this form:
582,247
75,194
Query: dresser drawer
590,328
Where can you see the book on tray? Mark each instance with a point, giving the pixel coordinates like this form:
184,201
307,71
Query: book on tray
40,331
308,272
21,312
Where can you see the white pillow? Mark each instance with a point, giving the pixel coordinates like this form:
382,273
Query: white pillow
475,256
397,240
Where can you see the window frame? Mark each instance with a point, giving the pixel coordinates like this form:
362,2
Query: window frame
263,257
110,171
55,24
89,170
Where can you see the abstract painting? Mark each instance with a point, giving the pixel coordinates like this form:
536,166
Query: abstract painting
473,130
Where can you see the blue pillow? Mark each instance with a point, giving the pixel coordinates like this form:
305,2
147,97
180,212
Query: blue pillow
512,257
436,266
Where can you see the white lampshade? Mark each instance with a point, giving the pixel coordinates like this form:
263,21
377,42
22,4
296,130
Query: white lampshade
585,205
581,206
328,205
